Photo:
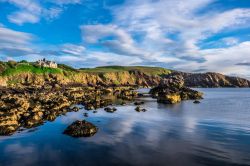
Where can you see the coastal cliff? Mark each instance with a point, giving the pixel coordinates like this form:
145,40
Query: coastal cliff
209,80
16,74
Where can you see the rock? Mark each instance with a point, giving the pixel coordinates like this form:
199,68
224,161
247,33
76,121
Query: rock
196,102
123,103
32,105
75,109
89,107
210,80
140,94
94,112
173,91
138,103
7,130
138,109
81,129
86,114
110,110
169,98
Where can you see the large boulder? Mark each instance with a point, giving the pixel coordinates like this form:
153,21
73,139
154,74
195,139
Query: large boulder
81,129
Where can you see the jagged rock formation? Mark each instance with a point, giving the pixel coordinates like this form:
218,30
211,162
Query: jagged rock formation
172,90
209,80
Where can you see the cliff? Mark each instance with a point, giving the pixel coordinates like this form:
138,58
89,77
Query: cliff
209,80
19,74
26,73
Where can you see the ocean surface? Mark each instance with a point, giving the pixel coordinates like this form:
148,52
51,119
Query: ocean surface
214,132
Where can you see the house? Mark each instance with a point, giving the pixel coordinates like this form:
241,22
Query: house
46,63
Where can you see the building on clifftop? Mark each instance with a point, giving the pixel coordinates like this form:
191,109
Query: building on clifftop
46,63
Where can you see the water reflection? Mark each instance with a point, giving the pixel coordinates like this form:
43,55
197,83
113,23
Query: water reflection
215,132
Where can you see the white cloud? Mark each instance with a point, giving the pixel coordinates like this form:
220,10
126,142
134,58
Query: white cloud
31,11
61,2
116,39
170,32
14,43
23,17
52,13
72,49
14,37
230,41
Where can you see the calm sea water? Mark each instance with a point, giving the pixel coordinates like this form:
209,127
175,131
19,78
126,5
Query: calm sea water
214,132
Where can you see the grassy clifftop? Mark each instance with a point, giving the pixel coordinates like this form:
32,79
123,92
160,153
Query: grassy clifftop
143,69
12,68
28,73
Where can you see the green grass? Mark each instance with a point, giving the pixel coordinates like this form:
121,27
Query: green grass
144,69
11,68
25,67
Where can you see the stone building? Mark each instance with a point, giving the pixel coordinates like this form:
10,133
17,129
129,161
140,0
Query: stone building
46,63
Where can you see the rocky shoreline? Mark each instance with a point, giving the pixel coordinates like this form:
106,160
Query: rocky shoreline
30,106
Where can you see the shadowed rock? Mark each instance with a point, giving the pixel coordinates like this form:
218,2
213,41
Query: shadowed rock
81,129
197,102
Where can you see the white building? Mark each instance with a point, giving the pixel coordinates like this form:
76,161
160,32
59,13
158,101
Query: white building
45,63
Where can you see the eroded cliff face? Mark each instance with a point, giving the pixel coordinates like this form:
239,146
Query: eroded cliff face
104,79
209,80
123,78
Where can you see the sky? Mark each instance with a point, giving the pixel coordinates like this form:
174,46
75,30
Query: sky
185,35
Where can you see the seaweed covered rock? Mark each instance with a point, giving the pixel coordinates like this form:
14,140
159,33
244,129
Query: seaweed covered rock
81,129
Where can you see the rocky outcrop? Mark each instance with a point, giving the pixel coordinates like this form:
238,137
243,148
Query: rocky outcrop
209,80
81,129
172,90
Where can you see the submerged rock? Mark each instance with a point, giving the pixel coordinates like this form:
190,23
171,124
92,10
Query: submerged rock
81,129
138,103
86,114
196,102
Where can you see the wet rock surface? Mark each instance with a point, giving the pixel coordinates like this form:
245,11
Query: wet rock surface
81,129
31,106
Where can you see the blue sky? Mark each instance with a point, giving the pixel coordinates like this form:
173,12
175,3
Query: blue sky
187,35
